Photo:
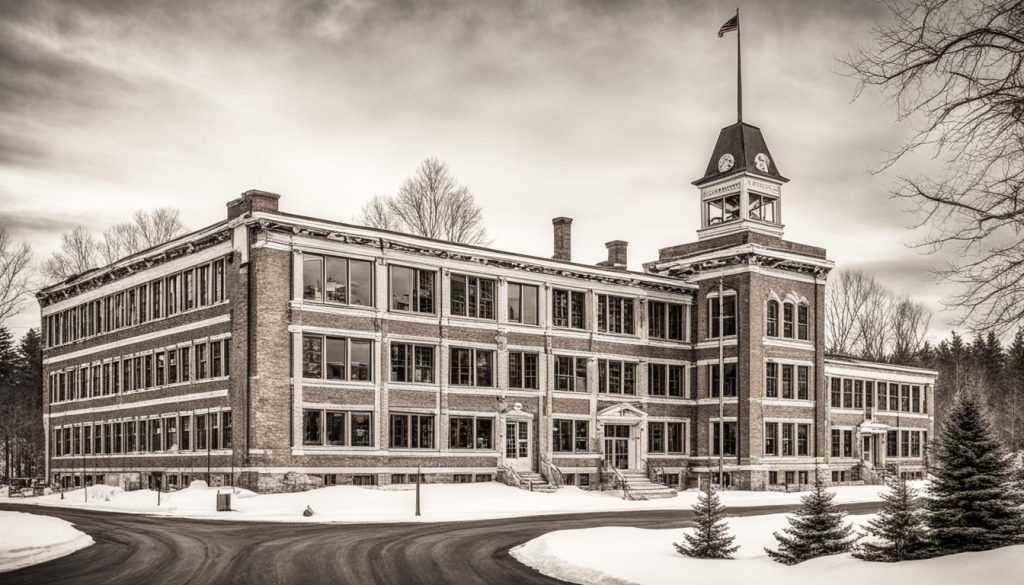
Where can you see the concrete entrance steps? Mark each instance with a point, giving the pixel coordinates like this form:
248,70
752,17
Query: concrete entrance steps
535,482
642,488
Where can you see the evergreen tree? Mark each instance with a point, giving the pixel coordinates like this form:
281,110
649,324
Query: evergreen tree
899,529
711,538
973,498
816,530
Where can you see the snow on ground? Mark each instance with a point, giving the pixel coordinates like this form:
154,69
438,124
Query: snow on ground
439,502
636,556
28,539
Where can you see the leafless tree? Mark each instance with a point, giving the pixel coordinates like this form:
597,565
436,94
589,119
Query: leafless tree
955,71
15,279
81,250
847,295
431,203
910,321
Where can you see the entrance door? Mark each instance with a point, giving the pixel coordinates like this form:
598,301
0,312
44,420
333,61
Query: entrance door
517,445
616,446
867,453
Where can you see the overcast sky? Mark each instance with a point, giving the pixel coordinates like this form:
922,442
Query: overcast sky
602,111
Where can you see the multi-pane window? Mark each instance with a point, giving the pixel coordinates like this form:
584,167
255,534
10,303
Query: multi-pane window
412,363
771,438
847,443
788,320
772,319
333,428
666,380
802,319
467,432
201,433
336,280
836,385
771,380
727,322
787,381
472,296
722,209
728,383
570,436
836,442
726,432
336,358
762,208
665,320
666,437
847,393
471,367
569,308
803,374
172,368
892,444
523,303
412,431
412,289
615,314
202,372
571,373
522,370
616,377
171,295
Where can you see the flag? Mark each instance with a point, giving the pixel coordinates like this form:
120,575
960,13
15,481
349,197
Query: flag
729,26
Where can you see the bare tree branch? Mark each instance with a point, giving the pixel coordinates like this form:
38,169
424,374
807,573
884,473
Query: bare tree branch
15,260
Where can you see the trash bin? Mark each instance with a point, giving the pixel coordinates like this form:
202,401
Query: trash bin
224,502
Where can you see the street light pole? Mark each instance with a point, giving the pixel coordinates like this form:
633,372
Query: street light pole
721,385
418,490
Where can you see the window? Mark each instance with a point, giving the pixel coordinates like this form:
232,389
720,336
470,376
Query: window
201,369
184,357
722,209
312,278
915,397
891,444
787,440
787,320
361,427
787,381
201,437
472,296
570,436
915,444
569,309
203,284
412,289
762,208
894,397
522,370
335,280
665,320
905,397
412,363
614,314
218,281
803,374
470,432
729,382
802,322
847,443
412,431
172,368
772,319
837,392
157,297
227,440
616,377
570,373
803,440
522,303
666,437
336,358
311,427
728,314
771,376
771,434
728,436
471,367
847,393
665,380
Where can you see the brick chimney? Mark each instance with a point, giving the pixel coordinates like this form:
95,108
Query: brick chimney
616,254
253,200
563,238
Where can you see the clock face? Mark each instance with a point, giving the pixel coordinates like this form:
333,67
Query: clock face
725,162
761,161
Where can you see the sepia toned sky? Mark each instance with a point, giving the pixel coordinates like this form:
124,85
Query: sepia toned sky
602,111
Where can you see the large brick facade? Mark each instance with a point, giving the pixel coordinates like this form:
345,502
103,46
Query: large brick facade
288,372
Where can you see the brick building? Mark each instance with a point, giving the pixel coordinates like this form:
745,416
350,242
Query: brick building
279,352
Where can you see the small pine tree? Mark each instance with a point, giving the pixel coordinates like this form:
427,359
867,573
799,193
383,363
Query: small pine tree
816,530
973,498
899,528
711,538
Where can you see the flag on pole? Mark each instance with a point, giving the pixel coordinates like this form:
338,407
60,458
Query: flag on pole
729,26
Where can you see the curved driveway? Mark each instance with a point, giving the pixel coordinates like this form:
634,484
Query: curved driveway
135,549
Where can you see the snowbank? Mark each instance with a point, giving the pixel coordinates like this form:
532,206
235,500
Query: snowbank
635,556
29,539
439,502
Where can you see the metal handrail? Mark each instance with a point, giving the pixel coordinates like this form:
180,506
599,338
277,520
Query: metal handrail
621,479
554,474
516,479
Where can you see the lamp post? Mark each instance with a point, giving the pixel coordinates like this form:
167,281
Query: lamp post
418,474
721,385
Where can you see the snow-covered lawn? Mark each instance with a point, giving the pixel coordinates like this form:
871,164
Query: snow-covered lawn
28,539
440,502
620,556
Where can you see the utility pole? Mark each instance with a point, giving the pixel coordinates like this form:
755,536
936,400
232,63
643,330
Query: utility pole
721,382
418,490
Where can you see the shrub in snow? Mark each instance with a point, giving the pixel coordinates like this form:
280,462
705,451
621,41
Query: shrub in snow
198,484
307,512
816,530
711,538
898,531
973,499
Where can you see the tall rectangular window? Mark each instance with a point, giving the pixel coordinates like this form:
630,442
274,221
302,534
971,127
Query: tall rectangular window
802,322
472,296
570,373
615,314
771,376
892,444
202,372
729,383
569,309
156,298
788,319
522,370
803,433
803,374
218,281
728,434
171,295
665,320
728,315
771,437
412,363
847,443
412,289
188,290
471,367
787,440
201,438
184,356
847,393
616,377
836,442
523,303
203,284
787,381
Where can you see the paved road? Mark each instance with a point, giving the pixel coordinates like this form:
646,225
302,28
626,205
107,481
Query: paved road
135,549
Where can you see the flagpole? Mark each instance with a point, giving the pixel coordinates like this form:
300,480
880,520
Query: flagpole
739,72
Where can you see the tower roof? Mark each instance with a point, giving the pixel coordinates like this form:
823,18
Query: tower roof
743,143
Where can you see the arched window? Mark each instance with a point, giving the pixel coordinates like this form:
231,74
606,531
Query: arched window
773,318
788,319
802,318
